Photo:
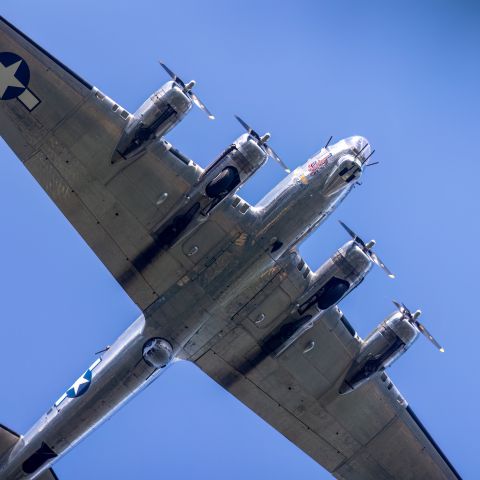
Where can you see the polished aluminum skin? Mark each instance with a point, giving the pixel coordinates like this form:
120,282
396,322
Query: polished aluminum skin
279,222
244,157
333,281
219,282
380,349
156,117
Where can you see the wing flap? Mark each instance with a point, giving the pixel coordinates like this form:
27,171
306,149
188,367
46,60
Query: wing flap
270,410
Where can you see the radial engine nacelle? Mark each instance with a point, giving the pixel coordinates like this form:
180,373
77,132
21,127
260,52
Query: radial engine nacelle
341,273
334,280
232,168
157,115
384,345
219,181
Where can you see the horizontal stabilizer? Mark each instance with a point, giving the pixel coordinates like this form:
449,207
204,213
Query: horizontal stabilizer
47,475
8,438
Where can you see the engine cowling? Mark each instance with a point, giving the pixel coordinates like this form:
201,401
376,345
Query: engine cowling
244,157
157,115
336,278
380,349
217,182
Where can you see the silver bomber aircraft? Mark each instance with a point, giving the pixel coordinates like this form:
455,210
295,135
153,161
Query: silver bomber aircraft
220,282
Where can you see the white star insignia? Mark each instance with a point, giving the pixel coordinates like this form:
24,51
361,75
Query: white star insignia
76,386
7,77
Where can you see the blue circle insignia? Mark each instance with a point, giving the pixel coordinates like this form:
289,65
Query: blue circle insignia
14,75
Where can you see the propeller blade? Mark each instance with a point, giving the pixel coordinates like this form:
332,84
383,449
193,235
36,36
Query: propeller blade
173,75
245,125
201,105
355,237
187,89
413,319
427,334
261,142
248,128
400,308
377,261
272,154
408,312
367,249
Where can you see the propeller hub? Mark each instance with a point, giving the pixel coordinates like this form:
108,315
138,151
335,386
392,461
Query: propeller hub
262,142
187,89
413,319
367,249
416,314
190,85
265,138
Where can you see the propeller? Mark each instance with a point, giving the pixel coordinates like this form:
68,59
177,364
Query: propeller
262,142
367,249
187,90
413,319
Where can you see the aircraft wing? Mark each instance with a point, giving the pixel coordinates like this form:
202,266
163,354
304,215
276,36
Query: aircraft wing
64,130
370,433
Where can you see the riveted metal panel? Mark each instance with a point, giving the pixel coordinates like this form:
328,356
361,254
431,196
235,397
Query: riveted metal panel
271,411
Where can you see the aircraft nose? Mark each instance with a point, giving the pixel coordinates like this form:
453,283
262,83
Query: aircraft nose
344,173
360,147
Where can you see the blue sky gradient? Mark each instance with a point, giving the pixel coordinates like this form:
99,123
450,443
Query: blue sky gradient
404,74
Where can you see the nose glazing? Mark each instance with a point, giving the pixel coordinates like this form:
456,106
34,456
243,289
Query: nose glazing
361,149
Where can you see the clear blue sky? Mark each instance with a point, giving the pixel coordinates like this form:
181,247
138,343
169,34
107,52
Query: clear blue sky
404,74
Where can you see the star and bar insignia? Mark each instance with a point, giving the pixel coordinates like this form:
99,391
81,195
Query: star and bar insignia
14,80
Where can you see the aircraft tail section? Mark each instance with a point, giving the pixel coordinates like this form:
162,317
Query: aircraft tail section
8,439
47,475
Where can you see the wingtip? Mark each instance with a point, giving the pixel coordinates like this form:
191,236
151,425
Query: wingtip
391,275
